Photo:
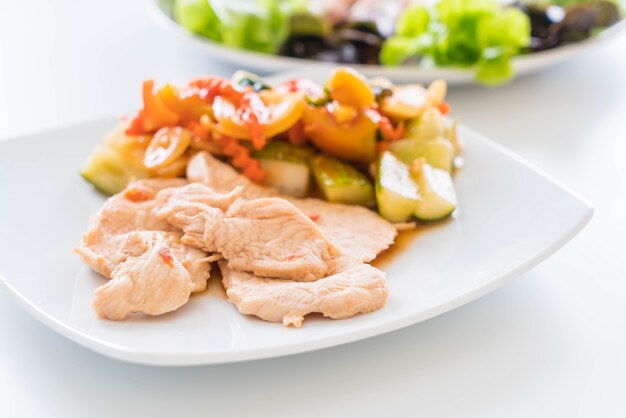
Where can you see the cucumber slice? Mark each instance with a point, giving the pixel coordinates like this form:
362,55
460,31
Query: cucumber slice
397,194
287,177
438,152
284,151
287,166
340,182
438,196
430,125
108,171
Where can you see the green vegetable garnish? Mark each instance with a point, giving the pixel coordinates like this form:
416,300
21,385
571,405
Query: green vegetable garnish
260,25
461,33
198,17
340,182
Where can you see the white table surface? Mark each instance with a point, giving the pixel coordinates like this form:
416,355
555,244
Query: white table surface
552,343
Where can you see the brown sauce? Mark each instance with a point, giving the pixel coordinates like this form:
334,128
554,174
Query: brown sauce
404,241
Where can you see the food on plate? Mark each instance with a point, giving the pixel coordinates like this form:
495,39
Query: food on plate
353,229
287,167
437,195
482,34
353,287
299,137
340,182
291,188
280,240
397,193
359,288
150,269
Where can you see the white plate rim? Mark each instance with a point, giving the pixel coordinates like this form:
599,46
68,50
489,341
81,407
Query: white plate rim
229,356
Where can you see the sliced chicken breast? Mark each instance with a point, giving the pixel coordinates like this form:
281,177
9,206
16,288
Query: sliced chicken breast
267,236
222,178
353,287
358,232
122,233
154,283
354,230
359,288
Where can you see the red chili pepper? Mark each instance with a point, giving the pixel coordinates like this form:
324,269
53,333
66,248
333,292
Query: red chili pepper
154,114
296,134
308,87
444,108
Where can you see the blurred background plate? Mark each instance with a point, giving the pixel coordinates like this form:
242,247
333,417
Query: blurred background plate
161,11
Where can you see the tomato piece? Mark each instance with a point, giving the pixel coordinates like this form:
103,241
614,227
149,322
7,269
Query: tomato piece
154,114
296,134
350,88
264,113
167,145
353,141
240,158
187,103
444,108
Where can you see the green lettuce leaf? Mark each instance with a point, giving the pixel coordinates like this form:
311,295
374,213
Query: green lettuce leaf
260,25
461,33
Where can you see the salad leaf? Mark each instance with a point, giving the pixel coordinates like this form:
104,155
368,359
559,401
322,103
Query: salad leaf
398,49
500,37
260,25
198,17
461,33
413,22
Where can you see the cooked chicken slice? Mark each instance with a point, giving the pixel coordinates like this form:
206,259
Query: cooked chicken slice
132,209
153,283
267,236
108,251
105,244
127,226
219,176
199,193
355,230
106,254
358,288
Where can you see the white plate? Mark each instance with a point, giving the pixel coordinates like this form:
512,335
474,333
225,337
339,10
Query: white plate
161,11
511,217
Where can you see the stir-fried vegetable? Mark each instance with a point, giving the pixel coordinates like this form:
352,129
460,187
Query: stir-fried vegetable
353,139
287,167
108,171
437,195
350,88
438,152
340,182
275,113
283,136
397,193
166,146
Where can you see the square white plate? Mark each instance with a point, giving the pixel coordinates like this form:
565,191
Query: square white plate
511,217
